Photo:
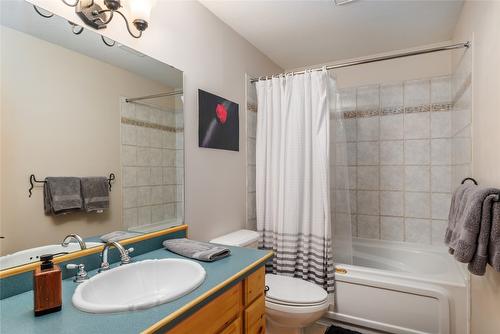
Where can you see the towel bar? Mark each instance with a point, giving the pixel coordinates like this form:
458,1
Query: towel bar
475,182
469,179
33,179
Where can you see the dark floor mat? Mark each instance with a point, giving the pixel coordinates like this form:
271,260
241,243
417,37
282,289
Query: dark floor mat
339,330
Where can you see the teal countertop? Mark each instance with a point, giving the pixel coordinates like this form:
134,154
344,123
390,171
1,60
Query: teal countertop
16,312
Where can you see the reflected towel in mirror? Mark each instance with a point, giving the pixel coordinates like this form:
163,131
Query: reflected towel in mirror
95,193
62,195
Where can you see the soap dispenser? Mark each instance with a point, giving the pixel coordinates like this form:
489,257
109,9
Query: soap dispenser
47,286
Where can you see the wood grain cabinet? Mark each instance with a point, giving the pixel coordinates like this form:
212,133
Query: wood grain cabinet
239,310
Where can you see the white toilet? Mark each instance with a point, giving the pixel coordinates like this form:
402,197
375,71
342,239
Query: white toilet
291,303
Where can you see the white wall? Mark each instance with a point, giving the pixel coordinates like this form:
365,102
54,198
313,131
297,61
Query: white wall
214,58
480,21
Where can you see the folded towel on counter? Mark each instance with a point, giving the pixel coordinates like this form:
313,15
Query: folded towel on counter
118,235
494,245
198,250
95,194
62,195
469,225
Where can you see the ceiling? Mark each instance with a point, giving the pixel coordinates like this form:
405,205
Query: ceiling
300,33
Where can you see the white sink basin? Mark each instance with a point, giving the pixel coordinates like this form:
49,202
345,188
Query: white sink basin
33,254
138,285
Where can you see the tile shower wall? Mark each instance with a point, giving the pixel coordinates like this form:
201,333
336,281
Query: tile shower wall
398,150
461,120
152,165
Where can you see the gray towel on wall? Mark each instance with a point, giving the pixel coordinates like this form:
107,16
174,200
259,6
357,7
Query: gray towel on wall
62,195
95,193
469,225
198,250
494,245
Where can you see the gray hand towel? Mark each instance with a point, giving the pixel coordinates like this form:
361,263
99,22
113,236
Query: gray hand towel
95,193
61,195
494,245
469,224
118,235
198,250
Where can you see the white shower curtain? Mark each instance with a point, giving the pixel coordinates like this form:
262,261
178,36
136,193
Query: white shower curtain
292,180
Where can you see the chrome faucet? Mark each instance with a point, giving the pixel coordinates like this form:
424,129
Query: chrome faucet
124,255
81,275
76,237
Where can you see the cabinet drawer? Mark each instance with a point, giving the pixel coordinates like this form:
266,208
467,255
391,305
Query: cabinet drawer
255,318
233,328
214,316
254,285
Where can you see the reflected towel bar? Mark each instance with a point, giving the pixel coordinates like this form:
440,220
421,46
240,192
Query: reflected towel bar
34,180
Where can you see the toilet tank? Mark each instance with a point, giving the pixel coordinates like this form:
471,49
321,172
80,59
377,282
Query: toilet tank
240,238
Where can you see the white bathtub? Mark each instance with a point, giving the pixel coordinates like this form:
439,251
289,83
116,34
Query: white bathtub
401,288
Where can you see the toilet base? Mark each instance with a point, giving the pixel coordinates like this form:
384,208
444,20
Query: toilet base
286,319
274,328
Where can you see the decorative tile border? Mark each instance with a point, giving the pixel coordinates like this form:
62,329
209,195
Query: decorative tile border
436,107
417,109
130,121
349,114
251,107
392,110
367,113
442,107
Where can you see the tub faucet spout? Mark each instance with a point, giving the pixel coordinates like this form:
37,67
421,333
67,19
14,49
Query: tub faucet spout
76,237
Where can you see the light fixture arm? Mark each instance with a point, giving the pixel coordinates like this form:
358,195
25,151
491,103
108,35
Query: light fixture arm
128,26
73,4
47,16
106,43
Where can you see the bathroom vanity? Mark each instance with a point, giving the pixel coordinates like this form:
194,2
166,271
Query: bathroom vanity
230,299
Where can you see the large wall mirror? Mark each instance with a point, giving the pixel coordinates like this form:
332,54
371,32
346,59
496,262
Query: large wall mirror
71,105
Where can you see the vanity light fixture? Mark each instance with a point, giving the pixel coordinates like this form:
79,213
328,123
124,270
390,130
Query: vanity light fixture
99,15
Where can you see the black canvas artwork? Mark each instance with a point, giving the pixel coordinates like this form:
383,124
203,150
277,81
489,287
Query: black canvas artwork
218,122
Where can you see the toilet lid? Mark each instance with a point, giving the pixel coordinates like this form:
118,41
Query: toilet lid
293,291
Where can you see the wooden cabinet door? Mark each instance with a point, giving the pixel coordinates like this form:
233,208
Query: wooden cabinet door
215,316
254,286
255,321
233,328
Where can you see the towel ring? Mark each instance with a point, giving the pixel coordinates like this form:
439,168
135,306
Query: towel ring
33,180
469,179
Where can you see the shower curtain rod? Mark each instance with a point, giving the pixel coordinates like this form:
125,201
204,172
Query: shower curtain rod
147,97
376,59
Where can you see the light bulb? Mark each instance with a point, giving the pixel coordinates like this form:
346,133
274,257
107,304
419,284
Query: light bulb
141,9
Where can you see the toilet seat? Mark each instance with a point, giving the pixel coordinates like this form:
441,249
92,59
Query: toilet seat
293,309
294,292
274,301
